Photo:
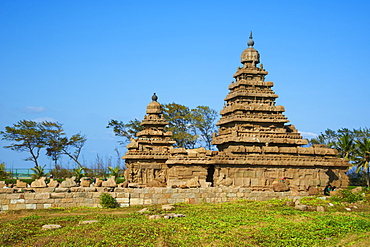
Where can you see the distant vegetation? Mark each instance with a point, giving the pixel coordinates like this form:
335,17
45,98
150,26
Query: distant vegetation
352,145
191,128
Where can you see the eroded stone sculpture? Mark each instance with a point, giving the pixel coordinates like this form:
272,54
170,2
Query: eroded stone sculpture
39,183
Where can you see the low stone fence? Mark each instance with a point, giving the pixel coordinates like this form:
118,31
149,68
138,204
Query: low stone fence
40,198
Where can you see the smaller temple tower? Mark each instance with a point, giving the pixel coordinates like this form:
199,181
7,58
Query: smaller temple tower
146,156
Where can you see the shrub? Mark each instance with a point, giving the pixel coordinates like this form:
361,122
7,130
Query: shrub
60,172
3,173
348,196
14,181
120,180
107,201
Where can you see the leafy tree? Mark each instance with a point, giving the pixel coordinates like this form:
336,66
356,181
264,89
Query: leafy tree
180,120
189,127
59,144
28,136
31,136
362,157
204,122
54,132
127,131
328,138
72,147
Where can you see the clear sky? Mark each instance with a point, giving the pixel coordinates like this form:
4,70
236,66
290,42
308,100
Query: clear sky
82,63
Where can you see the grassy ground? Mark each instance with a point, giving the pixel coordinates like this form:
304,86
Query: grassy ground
240,223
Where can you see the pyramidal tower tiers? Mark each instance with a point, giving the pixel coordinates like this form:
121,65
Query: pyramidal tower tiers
250,116
257,148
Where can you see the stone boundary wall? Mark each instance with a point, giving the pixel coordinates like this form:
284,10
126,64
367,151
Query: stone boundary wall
40,198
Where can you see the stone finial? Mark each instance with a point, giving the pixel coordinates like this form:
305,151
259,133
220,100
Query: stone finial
250,41
154,97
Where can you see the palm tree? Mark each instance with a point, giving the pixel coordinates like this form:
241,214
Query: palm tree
114,171
38,172
79,173
362,158
345,146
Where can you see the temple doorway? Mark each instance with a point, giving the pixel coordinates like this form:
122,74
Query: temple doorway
210,173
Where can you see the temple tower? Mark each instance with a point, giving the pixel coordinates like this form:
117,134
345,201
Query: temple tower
257,148
250,116
146,156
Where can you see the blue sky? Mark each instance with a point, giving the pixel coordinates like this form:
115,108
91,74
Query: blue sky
82,63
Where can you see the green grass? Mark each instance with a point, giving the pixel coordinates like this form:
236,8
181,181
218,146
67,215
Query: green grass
241,223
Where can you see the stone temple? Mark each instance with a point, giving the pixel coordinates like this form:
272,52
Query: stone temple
257,149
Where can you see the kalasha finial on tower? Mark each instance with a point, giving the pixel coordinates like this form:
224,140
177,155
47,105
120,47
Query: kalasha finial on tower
250,41
154,97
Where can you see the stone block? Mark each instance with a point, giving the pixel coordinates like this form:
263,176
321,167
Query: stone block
134,195
122,195
61,190
179,200
136,201
231,195
119,189
57,195
148,196
254,182
77,189
96,195
189,195
42,196
14,196
43,190
172,201
123,200
67,200
31,206
20,206
90,189
176,195
29,196
4,207
147,201
47,205
17,201
6,190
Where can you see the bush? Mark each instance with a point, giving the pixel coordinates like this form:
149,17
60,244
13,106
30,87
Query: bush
120,180
14,181
348,196
107,201
60,172
3,173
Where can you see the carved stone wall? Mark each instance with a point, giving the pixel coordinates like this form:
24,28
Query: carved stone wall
10,199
